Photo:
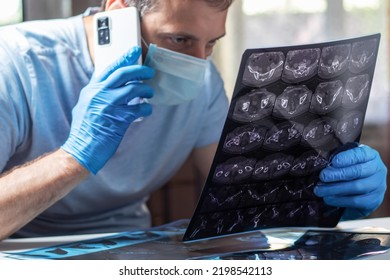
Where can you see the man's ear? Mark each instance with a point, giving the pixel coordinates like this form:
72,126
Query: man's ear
115,4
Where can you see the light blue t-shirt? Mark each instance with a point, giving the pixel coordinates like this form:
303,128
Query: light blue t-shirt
44,66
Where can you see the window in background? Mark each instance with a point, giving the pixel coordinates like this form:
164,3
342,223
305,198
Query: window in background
11,11
255,7
351,5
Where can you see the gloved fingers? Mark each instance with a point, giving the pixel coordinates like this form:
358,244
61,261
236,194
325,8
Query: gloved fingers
367,202
354,156
122,115
128,74
123,95
138,90
363,170
129,58
353,213
137,111
355,187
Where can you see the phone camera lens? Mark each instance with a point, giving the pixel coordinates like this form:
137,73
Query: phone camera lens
103,31
102,22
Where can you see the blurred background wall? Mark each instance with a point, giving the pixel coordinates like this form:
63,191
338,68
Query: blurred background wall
257,24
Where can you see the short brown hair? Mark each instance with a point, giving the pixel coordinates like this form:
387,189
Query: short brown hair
145,6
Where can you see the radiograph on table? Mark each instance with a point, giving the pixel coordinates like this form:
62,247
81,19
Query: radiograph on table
321,245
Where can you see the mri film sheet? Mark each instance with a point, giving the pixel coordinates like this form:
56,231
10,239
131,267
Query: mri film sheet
292,109
321,245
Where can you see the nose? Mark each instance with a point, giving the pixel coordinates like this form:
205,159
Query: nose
199,51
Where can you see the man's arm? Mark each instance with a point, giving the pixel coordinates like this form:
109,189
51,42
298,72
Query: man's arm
28,190
99,122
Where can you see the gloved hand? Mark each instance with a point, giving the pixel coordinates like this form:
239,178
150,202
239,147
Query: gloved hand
103,113
356,180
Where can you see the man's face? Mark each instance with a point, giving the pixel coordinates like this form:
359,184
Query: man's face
186,26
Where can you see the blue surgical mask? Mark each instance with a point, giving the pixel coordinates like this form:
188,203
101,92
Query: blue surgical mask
178,77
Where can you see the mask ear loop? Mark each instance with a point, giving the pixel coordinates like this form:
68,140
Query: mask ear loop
144,42
142,38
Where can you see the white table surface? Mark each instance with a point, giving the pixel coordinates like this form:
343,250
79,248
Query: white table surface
22,244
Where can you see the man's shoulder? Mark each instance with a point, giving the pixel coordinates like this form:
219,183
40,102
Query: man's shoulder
38,35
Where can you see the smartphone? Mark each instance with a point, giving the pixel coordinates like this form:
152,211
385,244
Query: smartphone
115,32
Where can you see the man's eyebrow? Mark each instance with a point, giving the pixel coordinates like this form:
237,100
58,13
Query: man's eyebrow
180,34
219,37
189,36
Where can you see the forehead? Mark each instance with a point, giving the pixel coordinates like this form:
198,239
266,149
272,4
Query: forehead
190,16
183,8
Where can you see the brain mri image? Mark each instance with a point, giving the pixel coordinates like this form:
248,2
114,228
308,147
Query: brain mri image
301,65
256,105
263,68
334,61
294,101
327,97
292,109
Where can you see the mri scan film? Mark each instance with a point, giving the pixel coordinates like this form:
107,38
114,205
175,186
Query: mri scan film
292,109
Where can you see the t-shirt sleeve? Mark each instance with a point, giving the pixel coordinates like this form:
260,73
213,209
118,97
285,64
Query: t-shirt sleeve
216,109
13,107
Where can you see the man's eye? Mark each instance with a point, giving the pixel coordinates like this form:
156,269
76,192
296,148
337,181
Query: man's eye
179,40
212,43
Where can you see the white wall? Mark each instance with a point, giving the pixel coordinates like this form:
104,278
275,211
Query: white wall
45,9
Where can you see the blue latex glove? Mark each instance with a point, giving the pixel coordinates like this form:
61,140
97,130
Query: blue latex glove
103,113
356,180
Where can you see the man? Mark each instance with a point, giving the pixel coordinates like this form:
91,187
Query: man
72,158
